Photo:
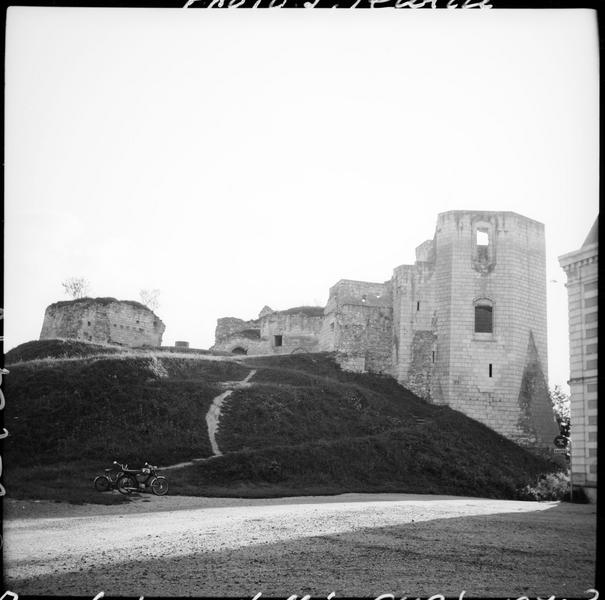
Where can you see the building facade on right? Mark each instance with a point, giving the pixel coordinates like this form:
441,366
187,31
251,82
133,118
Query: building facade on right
582,270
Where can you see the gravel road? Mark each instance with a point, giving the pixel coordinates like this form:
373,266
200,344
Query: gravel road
352,544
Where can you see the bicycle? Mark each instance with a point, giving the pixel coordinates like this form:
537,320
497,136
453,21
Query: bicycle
108,481
142,480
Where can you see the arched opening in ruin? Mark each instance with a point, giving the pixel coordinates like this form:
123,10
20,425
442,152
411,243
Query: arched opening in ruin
239,350
299,351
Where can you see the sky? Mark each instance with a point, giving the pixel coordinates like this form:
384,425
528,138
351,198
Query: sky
240,158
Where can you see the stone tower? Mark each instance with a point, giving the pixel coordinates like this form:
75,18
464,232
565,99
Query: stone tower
470,319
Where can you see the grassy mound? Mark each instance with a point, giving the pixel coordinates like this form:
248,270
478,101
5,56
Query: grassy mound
42,349
303,426
131,409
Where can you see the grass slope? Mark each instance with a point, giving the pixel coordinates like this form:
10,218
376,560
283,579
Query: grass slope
308,427
44,349
304,426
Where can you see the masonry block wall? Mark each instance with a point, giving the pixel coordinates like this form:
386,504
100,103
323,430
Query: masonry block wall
274,332
103,320
491,322
582,270
227,326
293,330
358,325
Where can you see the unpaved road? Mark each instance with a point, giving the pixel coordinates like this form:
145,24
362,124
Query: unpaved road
352,544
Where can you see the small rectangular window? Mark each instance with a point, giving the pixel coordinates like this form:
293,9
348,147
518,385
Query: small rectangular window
418,305
433,356
482,237
483,319
277,340
89,323
490,369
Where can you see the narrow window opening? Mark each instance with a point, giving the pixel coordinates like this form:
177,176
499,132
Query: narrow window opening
433,356
89,323
482,237
332,326
418,305
483,319
278,340
490,369
482,242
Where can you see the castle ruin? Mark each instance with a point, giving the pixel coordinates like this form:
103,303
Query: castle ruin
104,321
464,326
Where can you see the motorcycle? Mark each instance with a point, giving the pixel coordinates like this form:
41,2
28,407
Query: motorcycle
108,481
142,480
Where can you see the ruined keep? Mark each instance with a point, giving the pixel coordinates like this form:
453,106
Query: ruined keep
103,320
464,326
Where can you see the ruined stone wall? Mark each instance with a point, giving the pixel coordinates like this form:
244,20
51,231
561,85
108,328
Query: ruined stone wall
275,332
227,326
239,343
486,375
293,330
103,320
414,322
358,325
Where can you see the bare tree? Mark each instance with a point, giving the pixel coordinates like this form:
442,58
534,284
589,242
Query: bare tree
150,298
76,287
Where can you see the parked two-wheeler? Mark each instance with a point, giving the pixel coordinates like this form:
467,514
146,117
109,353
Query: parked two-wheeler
142,480
109,480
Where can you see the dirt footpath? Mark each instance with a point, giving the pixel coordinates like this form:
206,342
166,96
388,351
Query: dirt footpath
352,544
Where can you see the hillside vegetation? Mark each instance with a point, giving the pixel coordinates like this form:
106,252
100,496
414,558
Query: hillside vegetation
303,426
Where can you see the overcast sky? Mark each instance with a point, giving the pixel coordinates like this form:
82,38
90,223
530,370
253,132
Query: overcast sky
239,158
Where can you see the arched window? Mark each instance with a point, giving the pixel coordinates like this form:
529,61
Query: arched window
484,316
239,350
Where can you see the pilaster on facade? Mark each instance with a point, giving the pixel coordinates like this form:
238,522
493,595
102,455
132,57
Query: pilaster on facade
581,268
